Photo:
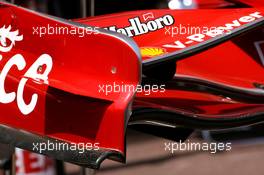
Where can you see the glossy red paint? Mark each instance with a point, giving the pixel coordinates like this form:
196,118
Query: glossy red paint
234,63
69,105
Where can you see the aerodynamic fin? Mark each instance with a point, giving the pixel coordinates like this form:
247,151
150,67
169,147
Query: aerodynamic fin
167,35
56,87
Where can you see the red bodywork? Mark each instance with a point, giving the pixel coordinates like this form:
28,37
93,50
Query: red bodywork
235,63
69,106
219,86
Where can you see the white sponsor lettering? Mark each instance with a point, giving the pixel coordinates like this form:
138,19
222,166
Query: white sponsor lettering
137,27
19,62
226,28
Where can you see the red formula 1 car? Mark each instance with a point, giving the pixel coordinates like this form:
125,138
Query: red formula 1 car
65,85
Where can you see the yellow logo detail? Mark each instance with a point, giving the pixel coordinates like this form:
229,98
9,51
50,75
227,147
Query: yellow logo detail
152,51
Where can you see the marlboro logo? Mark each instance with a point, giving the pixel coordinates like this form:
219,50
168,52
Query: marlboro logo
137,27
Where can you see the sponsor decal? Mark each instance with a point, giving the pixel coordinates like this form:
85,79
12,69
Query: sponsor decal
148,16
5,33
137,27
8,39
28,163
152,51
226,28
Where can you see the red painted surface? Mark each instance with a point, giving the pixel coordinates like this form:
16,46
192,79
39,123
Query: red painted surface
234,63
69,105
